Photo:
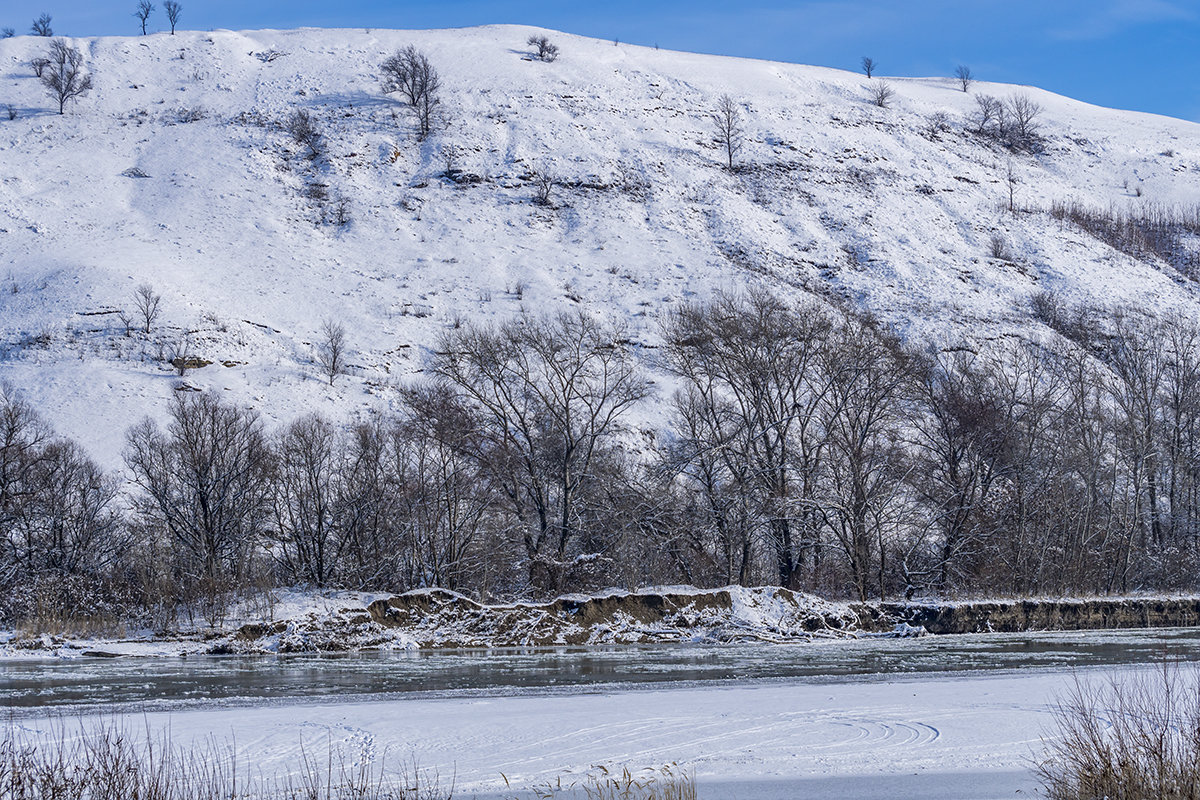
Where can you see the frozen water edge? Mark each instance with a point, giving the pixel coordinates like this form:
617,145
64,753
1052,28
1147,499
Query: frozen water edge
920,736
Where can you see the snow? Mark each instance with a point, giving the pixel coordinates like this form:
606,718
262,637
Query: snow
901,737
300,611
292,620
219,225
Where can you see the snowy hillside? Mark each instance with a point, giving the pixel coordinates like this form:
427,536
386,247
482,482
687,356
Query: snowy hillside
175,171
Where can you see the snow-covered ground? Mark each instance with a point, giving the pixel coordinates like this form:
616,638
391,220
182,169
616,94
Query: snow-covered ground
837,197
907,737
297,620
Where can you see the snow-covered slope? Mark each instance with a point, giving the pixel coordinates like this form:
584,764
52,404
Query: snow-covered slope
838,196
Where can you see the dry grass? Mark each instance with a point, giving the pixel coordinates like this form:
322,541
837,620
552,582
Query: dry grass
107,761
1131,738
670,782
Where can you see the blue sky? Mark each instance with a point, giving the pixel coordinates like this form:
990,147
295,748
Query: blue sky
1136,54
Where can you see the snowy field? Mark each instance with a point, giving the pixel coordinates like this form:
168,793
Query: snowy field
920,737
939,717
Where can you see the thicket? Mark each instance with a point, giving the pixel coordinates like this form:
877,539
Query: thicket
1168,233
807,447
1014,123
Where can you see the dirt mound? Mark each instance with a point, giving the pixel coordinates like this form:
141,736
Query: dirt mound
436,618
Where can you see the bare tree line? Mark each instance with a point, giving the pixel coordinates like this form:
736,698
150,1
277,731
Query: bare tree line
807,447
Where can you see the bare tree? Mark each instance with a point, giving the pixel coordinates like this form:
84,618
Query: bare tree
442,486
406,72
332,349
958,442
550,395
206,480
727,123
752,443
126,318
868,66
306,500
173,9
428,106
543,186
144,9
7,33
451,154
1023,116
41,26
39,65
410,73
543,48
180,355
23,437
989,114
69,525
964,76
304,130
64,77
148,304
1011,180
864,413
882,94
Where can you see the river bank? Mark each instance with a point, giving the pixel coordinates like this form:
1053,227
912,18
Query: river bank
314,622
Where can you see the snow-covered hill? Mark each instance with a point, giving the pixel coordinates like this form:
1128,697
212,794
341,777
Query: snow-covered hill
176,172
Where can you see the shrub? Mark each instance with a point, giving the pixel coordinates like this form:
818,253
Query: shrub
937,123
110,760
303,129
543,48
543,186
1132,738
1014,123
999,248
882,94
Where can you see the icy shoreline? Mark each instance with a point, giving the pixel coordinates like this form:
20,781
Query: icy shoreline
430,619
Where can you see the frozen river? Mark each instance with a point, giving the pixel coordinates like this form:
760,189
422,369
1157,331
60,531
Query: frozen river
169,683
947,717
